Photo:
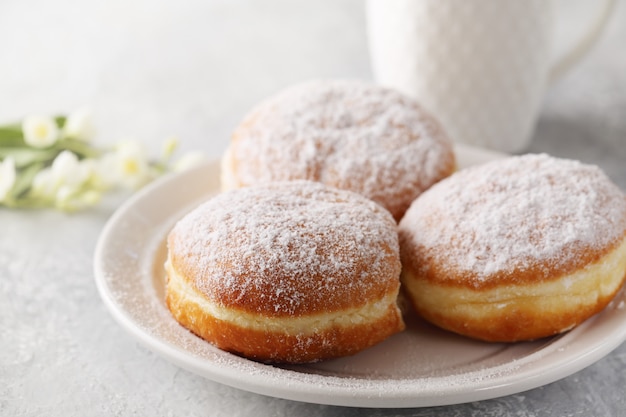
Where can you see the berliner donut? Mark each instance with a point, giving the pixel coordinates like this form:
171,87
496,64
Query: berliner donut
286,272
516,249
347,134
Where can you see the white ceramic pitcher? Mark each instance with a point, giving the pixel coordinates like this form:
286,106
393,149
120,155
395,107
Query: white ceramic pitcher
480,66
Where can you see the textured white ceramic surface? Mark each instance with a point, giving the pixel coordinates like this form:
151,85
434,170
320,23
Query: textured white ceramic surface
481,66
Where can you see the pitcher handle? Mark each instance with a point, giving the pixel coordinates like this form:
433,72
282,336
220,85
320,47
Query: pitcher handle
584,44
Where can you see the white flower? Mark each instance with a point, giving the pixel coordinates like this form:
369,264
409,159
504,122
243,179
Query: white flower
68,170
188,161
79,125
66,183
105,171
71,199
43,184
131,165
7,177
66,173
40,132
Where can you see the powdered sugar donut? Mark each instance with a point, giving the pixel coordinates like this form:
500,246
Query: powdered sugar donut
286,272
516,249
348,134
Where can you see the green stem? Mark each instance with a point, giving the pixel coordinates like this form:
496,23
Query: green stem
25,180
80,148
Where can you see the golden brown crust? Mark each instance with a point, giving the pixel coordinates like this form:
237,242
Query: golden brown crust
522,324
286,272
345,293
523,219
519,311
278,347
286,249
438,273
516,249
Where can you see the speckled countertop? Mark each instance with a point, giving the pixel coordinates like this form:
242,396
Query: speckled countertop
152,69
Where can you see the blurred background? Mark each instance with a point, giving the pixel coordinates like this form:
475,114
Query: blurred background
156,68
150,69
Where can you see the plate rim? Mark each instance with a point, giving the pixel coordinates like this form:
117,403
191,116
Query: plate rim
403,396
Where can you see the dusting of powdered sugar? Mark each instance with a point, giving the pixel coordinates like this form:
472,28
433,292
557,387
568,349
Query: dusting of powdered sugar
347,134
507,215
288,248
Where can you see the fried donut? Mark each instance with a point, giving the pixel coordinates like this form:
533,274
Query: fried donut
347,134
286,272
516,249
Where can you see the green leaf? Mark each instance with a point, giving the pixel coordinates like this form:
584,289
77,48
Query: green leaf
23,156
11,136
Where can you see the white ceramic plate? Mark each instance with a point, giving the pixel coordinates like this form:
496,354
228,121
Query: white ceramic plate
422,366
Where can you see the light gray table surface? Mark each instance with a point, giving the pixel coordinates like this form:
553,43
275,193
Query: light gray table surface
152,69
